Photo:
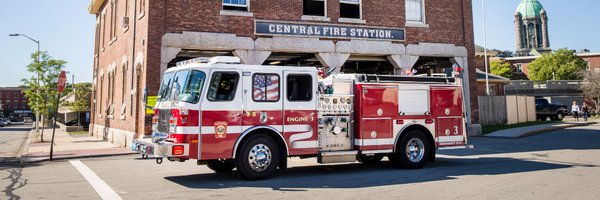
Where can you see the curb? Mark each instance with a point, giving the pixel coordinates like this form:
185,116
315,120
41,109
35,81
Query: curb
554,128
24,150
75,157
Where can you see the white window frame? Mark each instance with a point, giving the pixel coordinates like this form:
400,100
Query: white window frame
360,14
317,17
246,13
237,5
423,22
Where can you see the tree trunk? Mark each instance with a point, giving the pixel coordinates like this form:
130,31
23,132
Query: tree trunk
42,127
78,122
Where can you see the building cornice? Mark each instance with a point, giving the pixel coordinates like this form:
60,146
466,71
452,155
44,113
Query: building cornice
95,6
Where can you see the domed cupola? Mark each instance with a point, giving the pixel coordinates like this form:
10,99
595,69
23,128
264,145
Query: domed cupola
530,9
531,26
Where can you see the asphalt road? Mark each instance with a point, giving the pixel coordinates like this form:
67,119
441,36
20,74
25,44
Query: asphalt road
11,139
557,165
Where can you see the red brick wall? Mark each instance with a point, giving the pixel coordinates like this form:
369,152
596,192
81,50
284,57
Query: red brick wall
113,52
594,62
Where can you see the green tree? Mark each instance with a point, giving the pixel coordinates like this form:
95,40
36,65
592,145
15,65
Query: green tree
82,101
591,86
563,63
47,70
501,68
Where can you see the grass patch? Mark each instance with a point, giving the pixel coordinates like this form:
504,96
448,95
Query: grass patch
79,133
492,128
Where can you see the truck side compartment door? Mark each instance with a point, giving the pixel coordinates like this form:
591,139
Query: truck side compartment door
447,107
300,112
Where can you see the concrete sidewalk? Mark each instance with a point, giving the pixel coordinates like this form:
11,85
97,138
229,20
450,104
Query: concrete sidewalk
532,130
67,146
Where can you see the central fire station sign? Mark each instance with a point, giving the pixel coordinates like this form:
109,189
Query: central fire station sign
327,30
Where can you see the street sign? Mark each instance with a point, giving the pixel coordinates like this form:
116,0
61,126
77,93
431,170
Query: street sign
62,80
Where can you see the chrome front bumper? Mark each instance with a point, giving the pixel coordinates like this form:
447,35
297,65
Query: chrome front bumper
158,150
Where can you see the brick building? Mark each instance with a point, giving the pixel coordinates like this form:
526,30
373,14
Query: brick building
13,101
136,40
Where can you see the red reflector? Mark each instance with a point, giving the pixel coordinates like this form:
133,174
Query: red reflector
429,121
178,150
399,121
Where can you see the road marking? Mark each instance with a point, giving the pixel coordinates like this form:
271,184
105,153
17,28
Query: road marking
98,184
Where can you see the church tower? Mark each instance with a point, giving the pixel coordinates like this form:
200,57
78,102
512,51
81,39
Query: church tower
531,26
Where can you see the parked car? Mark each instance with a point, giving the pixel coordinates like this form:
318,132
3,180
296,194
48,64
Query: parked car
545,110
3,122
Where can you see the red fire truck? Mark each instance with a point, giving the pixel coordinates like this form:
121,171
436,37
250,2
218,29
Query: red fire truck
227,115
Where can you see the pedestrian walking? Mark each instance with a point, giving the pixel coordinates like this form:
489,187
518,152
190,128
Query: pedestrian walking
585,111
575,110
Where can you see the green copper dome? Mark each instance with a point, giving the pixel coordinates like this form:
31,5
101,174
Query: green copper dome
529,8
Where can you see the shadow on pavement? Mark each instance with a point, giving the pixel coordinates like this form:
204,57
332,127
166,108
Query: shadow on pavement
15,129
356,175
579,138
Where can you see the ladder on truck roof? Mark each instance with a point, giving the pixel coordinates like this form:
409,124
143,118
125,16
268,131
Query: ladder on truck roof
374,78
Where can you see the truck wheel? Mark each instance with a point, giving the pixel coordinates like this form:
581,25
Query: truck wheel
412,151
258,157
220,166
558,117
372,159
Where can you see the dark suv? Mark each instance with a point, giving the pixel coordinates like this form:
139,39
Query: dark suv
544,110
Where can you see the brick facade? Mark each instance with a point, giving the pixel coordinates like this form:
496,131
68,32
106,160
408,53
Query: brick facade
448,22
12,98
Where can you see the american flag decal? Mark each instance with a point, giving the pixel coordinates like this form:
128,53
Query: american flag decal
266,88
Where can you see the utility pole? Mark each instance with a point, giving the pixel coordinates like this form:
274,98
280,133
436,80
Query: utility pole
487,81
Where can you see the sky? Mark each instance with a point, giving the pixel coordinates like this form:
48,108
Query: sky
66,30
572,24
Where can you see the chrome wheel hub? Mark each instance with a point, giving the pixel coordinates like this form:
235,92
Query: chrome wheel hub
415,150
260,157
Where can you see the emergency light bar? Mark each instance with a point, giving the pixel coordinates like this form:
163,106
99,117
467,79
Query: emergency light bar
212,60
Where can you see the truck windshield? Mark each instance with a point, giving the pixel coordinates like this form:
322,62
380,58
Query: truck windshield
185,85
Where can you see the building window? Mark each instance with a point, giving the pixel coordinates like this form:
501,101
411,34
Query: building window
113,20
587,65
315,7
142,7
350,9
519,68
415,11
237,5
492,89
299,87
223,86
123,83
103,21
265,88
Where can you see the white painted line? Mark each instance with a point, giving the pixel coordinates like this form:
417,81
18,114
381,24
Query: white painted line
98,184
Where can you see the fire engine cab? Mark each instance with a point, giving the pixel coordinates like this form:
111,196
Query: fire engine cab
250,117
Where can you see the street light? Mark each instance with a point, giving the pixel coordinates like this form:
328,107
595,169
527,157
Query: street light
37,112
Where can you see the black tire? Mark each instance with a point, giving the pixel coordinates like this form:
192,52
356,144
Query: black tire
558,117
420,155
259,145
373,159
221,166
